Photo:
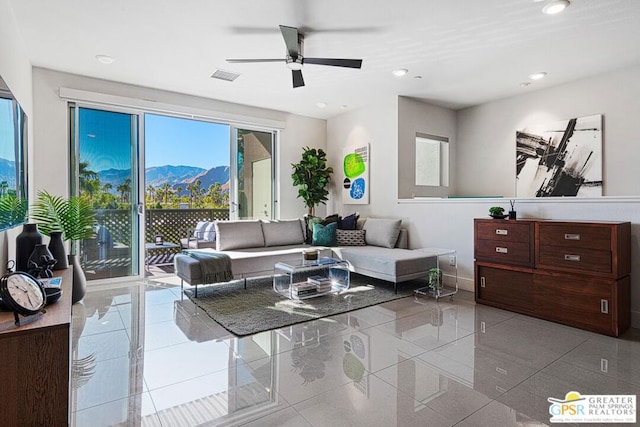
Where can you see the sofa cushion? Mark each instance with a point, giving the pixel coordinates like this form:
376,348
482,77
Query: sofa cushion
382,232
388,262
238,235
350,237
283,232
324,235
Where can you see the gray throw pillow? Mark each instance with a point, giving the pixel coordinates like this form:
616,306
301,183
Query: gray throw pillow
350,238
382,232
283,232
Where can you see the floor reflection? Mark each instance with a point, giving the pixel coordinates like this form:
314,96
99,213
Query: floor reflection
143,355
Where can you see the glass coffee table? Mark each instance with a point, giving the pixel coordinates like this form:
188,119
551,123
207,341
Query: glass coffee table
308,279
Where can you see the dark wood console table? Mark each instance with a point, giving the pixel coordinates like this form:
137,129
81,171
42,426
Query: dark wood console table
570,272
35,363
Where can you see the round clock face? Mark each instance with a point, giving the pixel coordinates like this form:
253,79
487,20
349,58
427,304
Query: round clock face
24,292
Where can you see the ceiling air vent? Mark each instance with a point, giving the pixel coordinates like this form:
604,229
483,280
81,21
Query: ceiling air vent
225,75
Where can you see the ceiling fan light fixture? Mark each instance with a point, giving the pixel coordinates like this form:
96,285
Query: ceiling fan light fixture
294,64
556,6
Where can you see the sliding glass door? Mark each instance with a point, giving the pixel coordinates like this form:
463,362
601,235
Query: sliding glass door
105,150
253,186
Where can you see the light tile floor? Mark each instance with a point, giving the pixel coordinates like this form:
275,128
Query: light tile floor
144,356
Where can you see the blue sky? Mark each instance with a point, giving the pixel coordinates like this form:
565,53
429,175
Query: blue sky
105,141
175,141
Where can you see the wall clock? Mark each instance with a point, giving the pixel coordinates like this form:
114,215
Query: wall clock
22,294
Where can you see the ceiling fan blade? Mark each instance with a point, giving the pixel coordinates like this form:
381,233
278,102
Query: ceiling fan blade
334,62
240,61
297,78
290,35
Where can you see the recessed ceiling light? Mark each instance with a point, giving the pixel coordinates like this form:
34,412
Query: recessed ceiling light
400,72
525,84
105,59
537,76
555,6
417,77
344,106
321,104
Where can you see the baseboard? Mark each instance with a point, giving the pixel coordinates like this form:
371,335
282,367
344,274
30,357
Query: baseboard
463,283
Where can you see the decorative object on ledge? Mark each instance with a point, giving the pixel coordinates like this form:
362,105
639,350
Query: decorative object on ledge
41,262
26,242
497,212
56,247
512,212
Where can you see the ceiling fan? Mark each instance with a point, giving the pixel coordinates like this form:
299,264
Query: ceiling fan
294,40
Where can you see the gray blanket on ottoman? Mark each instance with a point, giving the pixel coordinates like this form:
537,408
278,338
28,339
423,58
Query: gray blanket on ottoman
215,266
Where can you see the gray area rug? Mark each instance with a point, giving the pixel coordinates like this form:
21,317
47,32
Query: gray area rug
259,308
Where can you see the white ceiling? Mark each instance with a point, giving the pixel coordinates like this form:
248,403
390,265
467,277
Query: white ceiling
467,51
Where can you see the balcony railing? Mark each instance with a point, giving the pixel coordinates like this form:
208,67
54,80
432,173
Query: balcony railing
112,245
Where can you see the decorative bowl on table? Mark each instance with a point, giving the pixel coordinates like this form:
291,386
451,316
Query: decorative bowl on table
53,294
498,216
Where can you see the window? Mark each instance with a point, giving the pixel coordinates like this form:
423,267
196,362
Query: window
432,161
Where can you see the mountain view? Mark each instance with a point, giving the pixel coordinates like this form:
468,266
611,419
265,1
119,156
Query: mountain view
178,177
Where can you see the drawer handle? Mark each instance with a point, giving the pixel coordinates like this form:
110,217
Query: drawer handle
501,371
501,250
502,232
569,257
571,236
604,306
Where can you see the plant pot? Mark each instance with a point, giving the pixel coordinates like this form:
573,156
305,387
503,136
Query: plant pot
56,247
79,280
26,242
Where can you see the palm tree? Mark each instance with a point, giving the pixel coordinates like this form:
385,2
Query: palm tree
87,178
125,190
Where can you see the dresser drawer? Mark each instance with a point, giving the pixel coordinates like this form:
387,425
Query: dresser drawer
504,231
575,236
576,258
504,252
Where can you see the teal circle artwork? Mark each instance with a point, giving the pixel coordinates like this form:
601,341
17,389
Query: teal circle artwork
357,189
353,165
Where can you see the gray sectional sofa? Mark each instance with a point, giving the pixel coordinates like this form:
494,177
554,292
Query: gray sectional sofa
254,247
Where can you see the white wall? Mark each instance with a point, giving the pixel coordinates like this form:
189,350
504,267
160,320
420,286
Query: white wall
51,162
377,125
449,222
417,117
15,69
486,133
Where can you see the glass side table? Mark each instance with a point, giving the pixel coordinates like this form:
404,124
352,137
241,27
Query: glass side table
447,263
308,279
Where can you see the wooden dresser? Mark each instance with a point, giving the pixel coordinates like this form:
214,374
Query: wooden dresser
575,273
35,364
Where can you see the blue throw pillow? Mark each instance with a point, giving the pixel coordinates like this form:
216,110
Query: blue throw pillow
349,222
324,235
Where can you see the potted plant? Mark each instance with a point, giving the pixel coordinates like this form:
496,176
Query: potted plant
434,277
497,212
71,219
312,176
